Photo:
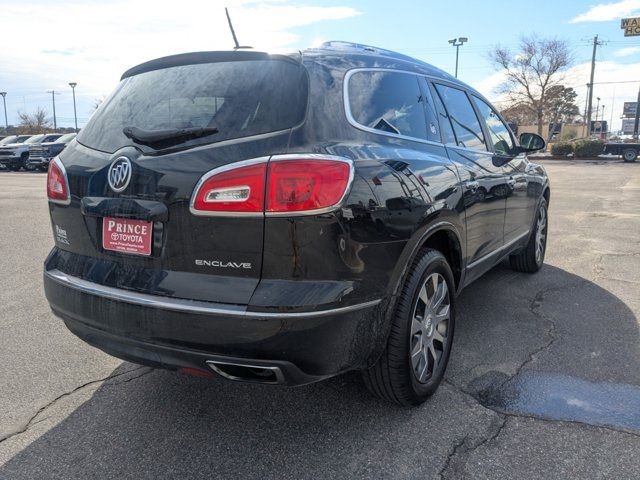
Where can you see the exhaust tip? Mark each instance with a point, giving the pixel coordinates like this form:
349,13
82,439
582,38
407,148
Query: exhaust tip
247,373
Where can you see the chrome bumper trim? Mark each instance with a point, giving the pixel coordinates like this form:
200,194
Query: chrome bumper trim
183,305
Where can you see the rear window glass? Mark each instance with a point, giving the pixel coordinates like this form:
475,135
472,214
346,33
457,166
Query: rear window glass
240,99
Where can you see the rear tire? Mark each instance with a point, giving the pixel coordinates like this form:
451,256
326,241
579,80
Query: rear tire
419,344
531,258
629,155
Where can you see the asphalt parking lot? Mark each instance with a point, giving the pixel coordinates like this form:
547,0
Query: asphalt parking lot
544,380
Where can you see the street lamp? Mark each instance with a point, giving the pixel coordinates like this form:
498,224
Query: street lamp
75,115
597,107
4,102
458,42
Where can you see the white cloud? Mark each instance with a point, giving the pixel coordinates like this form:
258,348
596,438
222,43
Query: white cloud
93,42
612,95
626,51
604,12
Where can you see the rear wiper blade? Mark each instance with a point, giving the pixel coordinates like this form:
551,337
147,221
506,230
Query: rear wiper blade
165,138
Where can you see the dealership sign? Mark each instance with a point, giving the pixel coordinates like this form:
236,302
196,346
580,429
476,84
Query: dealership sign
629,109
628,125
631,26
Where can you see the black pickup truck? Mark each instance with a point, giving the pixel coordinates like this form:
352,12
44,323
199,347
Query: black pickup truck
628,151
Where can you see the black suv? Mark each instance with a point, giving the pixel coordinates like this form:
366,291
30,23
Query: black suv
286,218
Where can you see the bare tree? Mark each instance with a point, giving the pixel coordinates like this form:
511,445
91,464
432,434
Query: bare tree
538,66
35,122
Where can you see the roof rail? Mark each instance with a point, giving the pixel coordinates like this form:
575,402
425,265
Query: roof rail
340,45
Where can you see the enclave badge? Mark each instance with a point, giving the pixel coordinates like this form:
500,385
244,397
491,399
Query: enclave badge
119,174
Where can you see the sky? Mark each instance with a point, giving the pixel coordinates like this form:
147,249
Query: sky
49,43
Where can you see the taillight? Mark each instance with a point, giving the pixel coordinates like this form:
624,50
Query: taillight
298,185
57,185
233,190
287,184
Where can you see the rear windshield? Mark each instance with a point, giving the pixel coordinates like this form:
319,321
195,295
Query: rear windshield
240,99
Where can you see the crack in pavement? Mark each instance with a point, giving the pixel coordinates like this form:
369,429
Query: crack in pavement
33,419
550,333
459,448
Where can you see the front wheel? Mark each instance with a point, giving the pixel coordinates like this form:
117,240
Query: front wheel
531,258
418,347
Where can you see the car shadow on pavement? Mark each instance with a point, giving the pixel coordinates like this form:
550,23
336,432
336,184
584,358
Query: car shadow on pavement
155,424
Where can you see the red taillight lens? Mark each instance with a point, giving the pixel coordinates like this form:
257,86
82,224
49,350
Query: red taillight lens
237,190
280,186
57,187
299,185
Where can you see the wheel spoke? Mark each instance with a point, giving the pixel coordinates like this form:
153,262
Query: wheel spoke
417,349
423,295
438,336
422,375
441,316
416,325
439,296
432,350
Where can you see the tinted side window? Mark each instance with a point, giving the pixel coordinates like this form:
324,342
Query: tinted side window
463,118
445,122
389,101
500,136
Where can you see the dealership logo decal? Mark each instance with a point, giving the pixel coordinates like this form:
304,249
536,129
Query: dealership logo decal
119,174
61,235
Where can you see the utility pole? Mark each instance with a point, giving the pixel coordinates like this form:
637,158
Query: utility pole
4,102
75,115
590,97
458,42
53,99
637,120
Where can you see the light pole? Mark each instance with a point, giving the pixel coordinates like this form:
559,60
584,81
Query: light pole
4,103
458,42
53,99
75,115
597,107
602,122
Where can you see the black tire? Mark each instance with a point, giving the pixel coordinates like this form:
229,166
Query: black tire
395,376
629,155
25,162
528,260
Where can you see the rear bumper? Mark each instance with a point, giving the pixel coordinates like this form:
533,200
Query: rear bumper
174,333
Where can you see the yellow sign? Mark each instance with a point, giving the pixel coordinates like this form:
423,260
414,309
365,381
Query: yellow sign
631,26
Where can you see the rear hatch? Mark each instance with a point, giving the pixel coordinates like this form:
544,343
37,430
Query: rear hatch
167,124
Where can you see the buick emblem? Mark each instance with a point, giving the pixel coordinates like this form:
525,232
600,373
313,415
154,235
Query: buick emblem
119,174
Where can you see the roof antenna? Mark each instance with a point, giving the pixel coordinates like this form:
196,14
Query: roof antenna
233,33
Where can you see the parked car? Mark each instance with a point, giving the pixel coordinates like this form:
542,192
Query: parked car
11,139
15,156
40,154
282,219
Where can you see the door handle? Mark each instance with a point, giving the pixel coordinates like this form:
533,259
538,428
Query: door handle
473,185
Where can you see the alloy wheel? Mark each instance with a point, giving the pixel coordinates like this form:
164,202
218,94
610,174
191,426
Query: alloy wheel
541,234
430,327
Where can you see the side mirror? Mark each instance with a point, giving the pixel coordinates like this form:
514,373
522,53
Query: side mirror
530,142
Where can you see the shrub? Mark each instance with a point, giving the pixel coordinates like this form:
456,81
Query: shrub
561,149
588,148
